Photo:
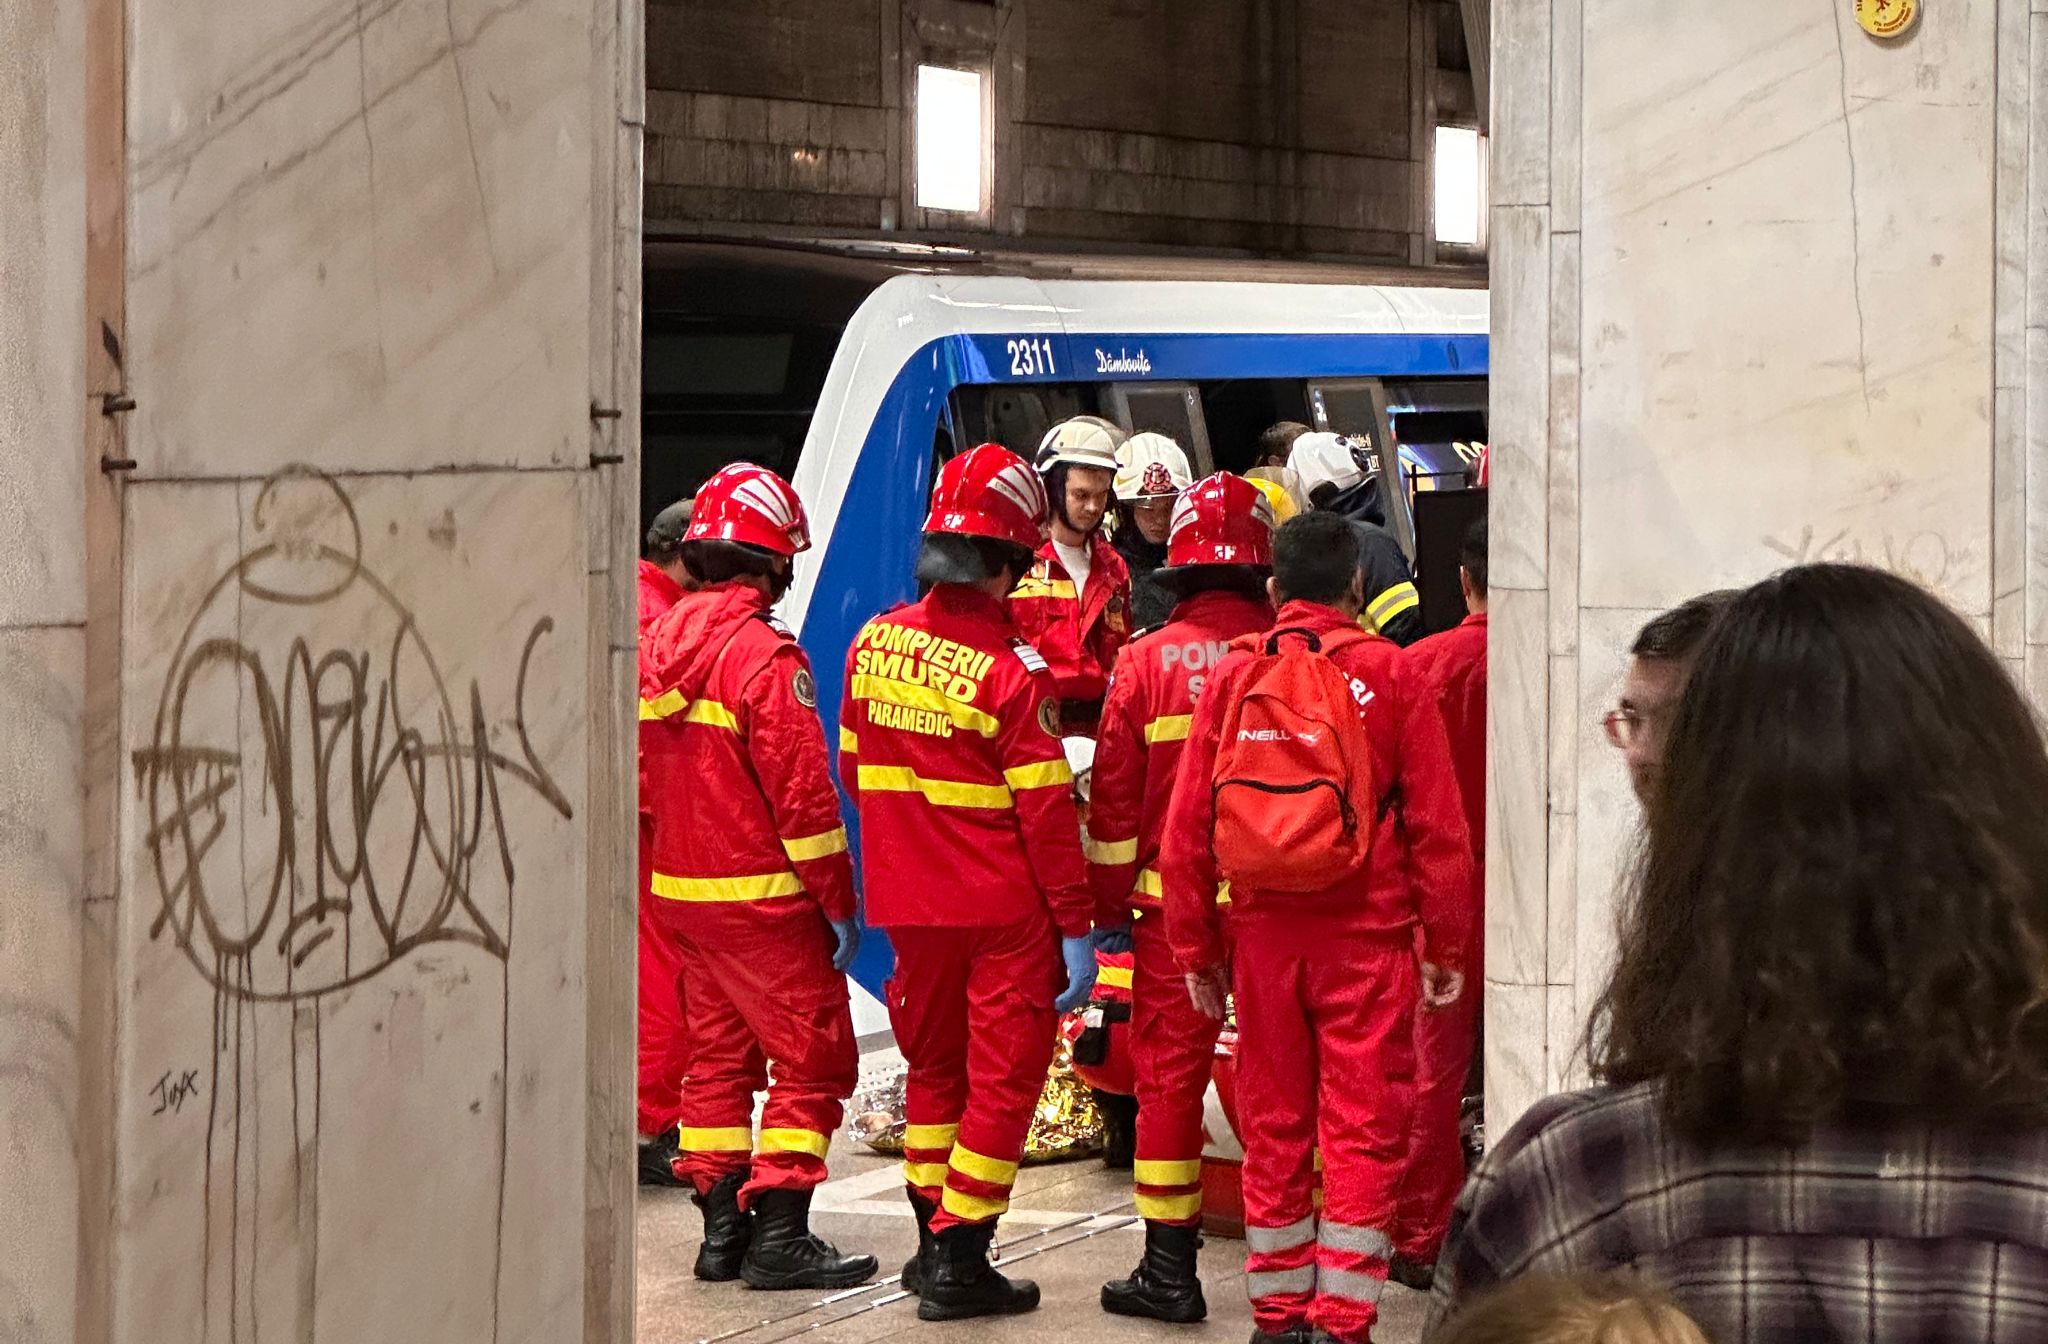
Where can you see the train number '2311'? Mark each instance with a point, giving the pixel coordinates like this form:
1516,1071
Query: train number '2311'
1031,358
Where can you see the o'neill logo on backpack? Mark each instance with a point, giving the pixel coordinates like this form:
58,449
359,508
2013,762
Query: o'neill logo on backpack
1277,735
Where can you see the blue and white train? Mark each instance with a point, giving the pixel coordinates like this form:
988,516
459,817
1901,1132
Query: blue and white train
930,363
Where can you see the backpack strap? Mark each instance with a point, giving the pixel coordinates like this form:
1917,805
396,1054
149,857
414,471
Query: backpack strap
1272,641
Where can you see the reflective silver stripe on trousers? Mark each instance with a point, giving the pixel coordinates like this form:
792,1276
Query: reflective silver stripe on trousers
1275,1282
1349,1284
1358,1240
1271,1240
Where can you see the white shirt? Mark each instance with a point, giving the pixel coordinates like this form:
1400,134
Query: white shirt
1077,561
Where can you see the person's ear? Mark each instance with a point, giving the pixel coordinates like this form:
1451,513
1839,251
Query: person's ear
1273,593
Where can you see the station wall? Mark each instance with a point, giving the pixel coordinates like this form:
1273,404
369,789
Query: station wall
315,663
1296,128
1765,290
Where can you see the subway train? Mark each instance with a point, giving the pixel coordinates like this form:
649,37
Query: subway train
857,369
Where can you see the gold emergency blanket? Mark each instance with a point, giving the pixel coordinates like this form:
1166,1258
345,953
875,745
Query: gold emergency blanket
1066,1124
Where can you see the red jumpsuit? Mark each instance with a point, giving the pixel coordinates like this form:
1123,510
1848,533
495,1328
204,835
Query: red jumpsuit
1452,667
949,746
1326,990
1077,633
1145,720
664,1043
750,862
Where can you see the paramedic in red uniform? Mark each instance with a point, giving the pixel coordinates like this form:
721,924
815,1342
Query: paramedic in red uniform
1326,979
752,875
1219,553
950,749
1073,605
1452,668
663,1046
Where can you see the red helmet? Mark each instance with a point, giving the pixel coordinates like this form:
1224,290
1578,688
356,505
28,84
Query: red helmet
990,492
1221,520
753,506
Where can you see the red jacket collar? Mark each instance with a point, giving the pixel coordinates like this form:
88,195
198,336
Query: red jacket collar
1213,601
962,600
655,577
1313,616
1476,618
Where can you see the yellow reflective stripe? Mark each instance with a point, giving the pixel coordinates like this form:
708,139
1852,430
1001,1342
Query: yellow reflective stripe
939,792
1168,1208
1114,977
1149,884
930,1136
1055,588
973,1208
1188,1172
924,1175
822,845
1110,851
736,1139
795,1141
1169,728
671,704
1040,775
987,1170
722,889
848,743
890,692
1397,599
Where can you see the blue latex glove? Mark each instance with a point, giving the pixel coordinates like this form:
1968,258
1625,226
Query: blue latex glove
847,931
1079,954
1116,940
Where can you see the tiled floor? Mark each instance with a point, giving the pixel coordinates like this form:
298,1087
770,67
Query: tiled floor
1049,1236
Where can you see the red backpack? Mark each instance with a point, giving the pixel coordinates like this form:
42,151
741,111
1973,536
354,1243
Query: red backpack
1295,805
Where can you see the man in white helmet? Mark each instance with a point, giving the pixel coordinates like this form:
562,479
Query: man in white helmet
1338,482
1151,472
1074,605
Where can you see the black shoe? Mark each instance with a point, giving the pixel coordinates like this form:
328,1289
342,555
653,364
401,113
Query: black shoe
727,1230
1165,1286
1293,1334
1411,1273
960,1284
912,1277
658,1162
785,1253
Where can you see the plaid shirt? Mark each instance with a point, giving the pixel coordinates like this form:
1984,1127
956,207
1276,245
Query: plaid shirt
1878,1234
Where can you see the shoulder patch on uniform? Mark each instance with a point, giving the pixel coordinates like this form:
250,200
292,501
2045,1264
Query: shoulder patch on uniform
804,688
1049,717
776,624
1031,658
1153,629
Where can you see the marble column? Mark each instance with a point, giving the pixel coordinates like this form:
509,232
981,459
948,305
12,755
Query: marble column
1765,291
354,990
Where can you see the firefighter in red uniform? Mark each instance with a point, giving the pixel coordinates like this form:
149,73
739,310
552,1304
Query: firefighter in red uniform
664,1051
752,874
950,748
1074,604
1219,551
1325,980
1452,668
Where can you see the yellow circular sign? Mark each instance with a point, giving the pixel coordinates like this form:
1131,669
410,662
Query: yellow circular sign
1887,18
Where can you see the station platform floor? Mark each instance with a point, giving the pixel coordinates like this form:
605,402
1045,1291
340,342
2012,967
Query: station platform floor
1070,1227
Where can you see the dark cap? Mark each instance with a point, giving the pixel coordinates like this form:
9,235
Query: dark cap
665,534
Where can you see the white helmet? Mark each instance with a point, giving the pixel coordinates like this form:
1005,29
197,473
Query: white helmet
1321,458
1084,441
1151,466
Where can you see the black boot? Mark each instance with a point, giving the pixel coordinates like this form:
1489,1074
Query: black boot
658,1162
1293,1334
1119,1129
913,1268
959,1282
785,1254
1165,1286
727,1230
